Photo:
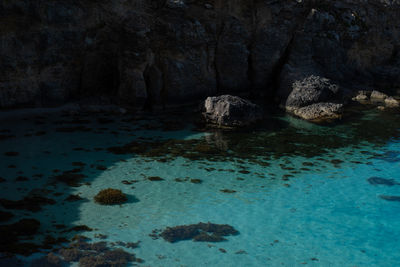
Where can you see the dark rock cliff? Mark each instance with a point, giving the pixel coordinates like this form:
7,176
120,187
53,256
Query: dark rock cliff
156,52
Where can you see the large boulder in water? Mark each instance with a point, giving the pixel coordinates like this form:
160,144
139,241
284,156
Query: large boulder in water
319,112
315,99
230,111
312,90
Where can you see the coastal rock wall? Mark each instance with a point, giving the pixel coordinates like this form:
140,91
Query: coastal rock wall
157,52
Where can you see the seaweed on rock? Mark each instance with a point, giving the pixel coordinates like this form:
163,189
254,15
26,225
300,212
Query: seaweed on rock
24,227
50,260
205,237
73,254
287,141
79,228
228,191
72,198
31,203
71,178
115,258
50,241
196,181
110,196
11,233
96,254
155,179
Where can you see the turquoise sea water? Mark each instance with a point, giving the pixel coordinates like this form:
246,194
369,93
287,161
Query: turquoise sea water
298,193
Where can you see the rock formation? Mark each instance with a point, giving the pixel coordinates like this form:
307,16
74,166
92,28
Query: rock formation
377,98
315,99
230,111
157,52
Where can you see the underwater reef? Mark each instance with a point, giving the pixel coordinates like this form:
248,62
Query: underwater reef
201,232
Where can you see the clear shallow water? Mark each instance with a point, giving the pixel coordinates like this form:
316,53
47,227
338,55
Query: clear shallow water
302,194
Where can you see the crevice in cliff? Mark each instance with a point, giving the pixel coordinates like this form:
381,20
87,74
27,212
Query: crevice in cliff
99,76
276,74
278,68
217,74
251,71
148,104
154,77
250,67
163,89
250,46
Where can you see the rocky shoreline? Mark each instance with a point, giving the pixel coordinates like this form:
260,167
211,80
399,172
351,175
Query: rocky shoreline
150,54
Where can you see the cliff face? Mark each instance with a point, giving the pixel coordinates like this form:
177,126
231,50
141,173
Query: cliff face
140,52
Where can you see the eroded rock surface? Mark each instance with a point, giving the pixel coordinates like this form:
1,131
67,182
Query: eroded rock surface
311,98
381,100
319,112
230,111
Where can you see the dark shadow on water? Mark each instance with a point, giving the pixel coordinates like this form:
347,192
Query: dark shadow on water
132,199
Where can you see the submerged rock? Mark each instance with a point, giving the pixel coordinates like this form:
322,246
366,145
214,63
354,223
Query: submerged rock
31,202
72,254
24,227
205,237
198,232
96,254
229,191
230,111
72,198
50,260
71,177
382,181
390,198
155,178
79,228
117,257
13,234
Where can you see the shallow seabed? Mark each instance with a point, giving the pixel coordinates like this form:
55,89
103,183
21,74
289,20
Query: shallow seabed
298,193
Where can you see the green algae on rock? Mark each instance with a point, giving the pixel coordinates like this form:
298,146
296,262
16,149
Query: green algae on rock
110,196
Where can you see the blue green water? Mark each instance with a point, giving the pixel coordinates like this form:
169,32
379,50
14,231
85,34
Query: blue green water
300,192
